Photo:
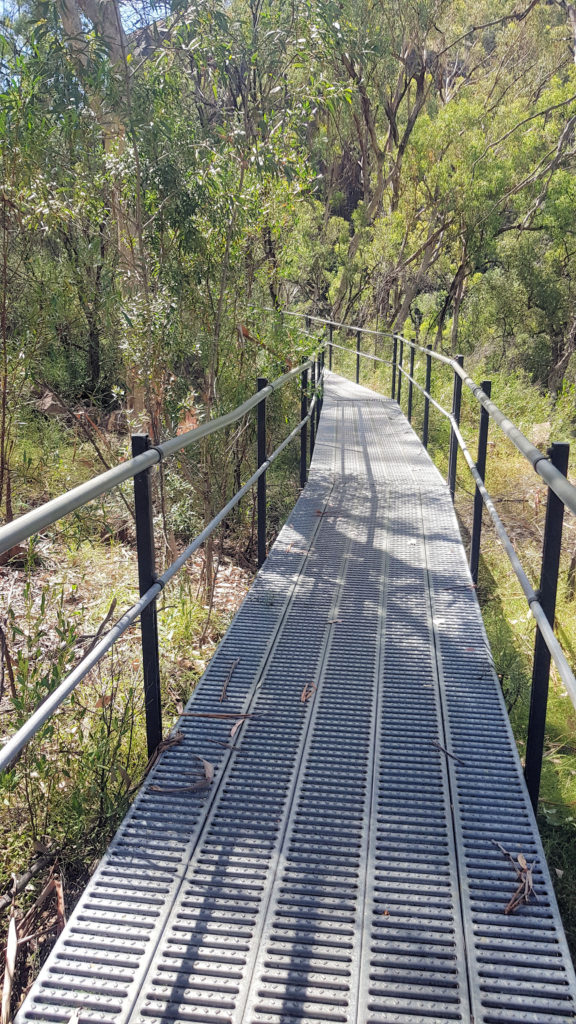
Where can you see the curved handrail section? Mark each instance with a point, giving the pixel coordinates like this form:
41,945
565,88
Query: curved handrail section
538,613
540,463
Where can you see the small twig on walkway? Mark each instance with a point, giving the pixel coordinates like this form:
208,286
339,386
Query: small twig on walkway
227,680
447,752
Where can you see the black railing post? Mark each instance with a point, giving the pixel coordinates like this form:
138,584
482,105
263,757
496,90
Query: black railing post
481,467
319,372
400,362
313,416
394,359
329,346
146,578
304,431
426,422
357,357
547,596
456,402
261,444
410,383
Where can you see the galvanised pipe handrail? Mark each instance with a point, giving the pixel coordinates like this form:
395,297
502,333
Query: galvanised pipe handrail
539,462
560,660
545,624
45,515
367,355
22,737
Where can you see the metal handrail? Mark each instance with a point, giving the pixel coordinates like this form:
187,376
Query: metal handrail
27,525
39,718
538,613
561,493
84,493
358,352
539,462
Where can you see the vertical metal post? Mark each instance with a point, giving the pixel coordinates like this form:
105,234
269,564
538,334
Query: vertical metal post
320,369
456,403
400,361
330,346
541,670
261,444
313,416
304,431
146,578
410,383
394,358
426,399
481,467
357,357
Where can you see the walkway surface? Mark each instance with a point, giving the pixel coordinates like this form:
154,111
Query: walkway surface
341,866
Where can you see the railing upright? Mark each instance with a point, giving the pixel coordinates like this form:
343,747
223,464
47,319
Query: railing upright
400,362
456,403
304,431
261,444
547,597
394,364
486,386
426,422
146,578
410,383
320,374
312,418
330,328
357,357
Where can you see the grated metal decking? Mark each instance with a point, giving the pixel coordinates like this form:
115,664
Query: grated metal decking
341,867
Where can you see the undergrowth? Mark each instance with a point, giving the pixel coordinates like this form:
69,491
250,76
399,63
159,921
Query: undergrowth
65,794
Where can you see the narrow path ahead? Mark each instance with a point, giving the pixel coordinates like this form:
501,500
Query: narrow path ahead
342,866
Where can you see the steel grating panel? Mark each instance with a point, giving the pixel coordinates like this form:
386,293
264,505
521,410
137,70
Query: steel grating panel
342,867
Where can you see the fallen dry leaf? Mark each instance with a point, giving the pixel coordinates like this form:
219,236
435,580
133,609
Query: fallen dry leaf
235,727
307,692
208,768
104,701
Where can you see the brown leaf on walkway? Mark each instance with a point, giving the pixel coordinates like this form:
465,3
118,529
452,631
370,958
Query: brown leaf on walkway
307,692
11,951
208,768
524,876
235,727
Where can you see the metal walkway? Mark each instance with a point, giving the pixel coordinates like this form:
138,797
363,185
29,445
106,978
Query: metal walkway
341,867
